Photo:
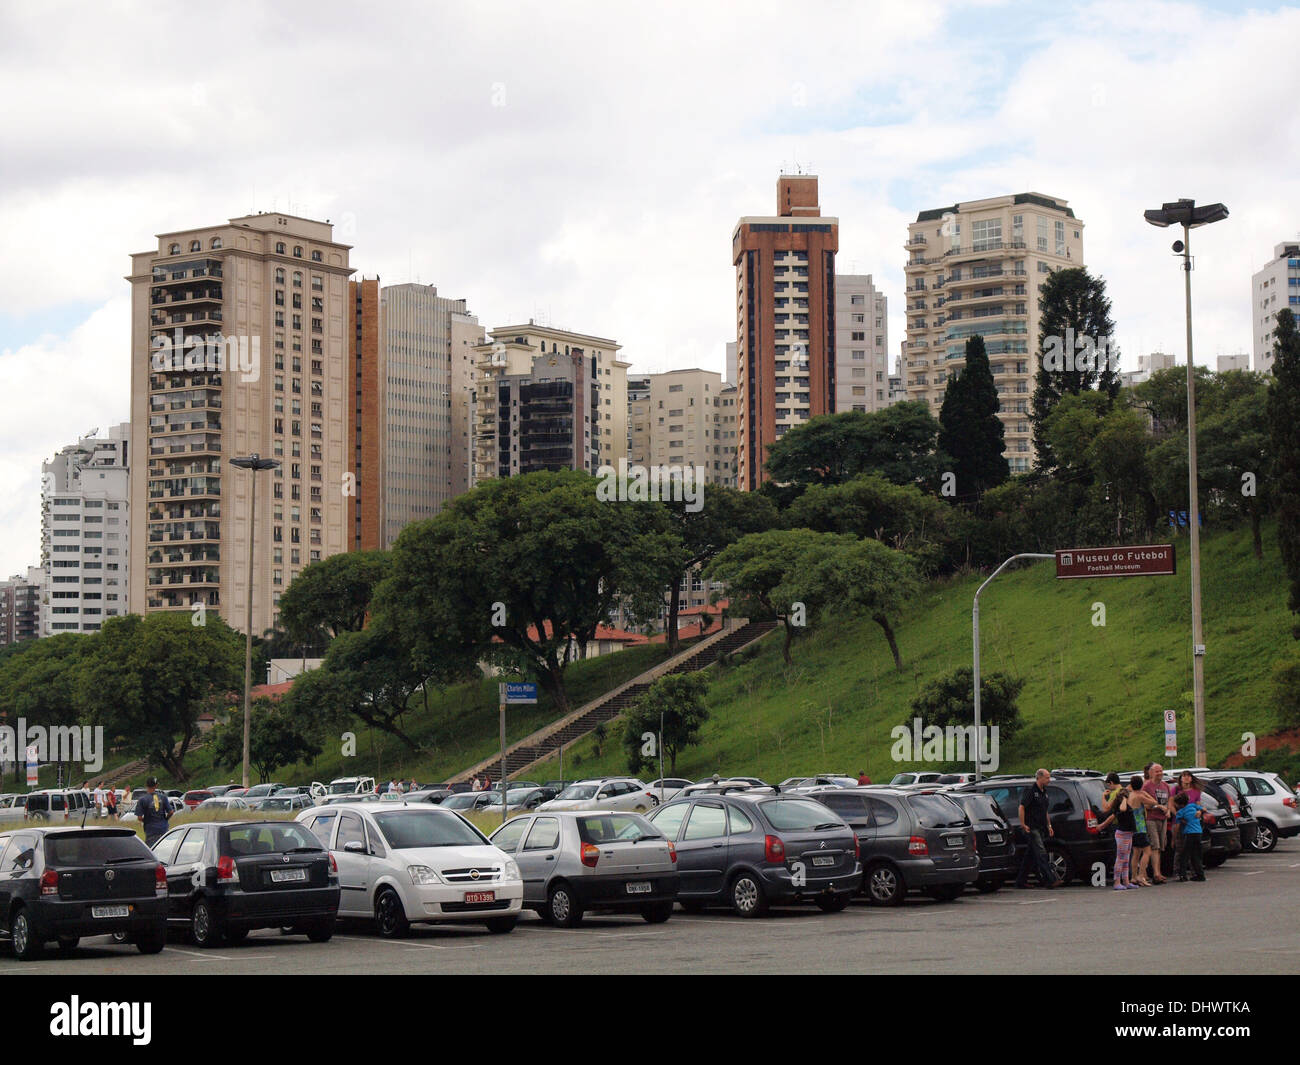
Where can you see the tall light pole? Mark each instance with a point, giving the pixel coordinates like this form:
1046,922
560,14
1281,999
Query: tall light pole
255,463
1185,213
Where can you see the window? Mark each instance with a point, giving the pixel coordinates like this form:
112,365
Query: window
1060,238
279,247
740,821
706,822
509,836
986,233
1042,234
297,251
165,849
196,245
192,849
544,835
174,249
216,243
669,819
350,831
881,811
315,257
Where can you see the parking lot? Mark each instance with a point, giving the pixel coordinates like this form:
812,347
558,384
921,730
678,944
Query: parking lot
1239,921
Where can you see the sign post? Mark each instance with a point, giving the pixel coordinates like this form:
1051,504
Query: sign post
510,692
1171,734
1151,560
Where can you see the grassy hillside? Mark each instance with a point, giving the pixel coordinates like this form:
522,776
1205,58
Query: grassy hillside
1094,696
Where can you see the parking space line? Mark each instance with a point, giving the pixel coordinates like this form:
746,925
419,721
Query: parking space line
205,955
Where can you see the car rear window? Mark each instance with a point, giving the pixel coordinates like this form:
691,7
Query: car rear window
1094,791
417,828
934,811
787,815
267,839
94,848
607,828
981,806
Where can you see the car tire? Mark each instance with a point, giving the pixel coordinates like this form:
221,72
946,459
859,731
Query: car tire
945,892
500,925
1265,837
236,935
562,907
390,914
1061,864
832,903
151,942
121,937
321,933
657,912
884,885
25,943
204,929
746,895
67,944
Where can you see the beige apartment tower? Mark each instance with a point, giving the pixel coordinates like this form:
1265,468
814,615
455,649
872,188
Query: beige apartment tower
673,420
861,344
238,347
977,268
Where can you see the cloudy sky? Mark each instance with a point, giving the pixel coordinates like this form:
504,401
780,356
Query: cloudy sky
585,163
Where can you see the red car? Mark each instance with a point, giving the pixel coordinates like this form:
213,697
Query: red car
191,799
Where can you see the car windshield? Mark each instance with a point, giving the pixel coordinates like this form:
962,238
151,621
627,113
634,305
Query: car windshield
579,791
277,804
794,814
518,794
460,802
268,839
419,829
94,848
902,778
343,787
934,811
607,828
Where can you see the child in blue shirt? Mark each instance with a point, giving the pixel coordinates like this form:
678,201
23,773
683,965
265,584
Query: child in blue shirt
1188,815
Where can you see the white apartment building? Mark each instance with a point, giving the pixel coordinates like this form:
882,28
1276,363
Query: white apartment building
1226,363
85,533
861,344
977,267
1276,286
1147,365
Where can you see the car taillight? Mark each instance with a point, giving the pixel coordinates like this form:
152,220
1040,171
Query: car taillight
1236,810
773,850
1210,819
226,870
49,882
917,845
1090,821
590,855
334,866
672,852
159,880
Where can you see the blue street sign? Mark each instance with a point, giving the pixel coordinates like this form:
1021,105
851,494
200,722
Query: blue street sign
518,692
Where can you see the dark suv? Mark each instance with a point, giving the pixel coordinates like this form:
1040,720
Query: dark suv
65,883
751,848
1075,808
909,840
994,839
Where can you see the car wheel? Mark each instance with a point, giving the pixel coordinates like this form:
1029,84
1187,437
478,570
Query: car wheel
562,908
885,885
321,933
832,903
121,937
657,913
1061,864
945,892
26,945
390,915
1265,837
498,925
236,935
151,942
987,887
67,944
204,930
747,897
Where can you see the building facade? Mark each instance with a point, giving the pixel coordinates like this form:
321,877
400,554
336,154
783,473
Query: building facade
1276,286
20,606
673,420
861,345
239,347
85,533
785,320
1147,365
977,268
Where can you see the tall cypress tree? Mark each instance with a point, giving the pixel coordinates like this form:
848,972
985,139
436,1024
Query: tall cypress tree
970,431
1074,319
1284,433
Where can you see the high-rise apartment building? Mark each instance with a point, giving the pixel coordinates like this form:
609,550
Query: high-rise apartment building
977,268
239,347
1276,286
20,606
85,533
1146,366
673,420
861,344
1227,363
785,320
547,399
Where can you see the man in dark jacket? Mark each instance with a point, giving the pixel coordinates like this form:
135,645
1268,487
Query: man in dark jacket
1037,826
154,810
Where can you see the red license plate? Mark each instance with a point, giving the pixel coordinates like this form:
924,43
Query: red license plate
480,896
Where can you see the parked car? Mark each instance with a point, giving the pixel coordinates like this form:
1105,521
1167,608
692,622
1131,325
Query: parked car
334,800
261,791
351,786
58,804
825,780
908,841
517,799
403,864
433,795
1271,800
668,787
606,793
718,787
225,802
576,862
224,880
219,789
901,779
13,808
994,840
1075,808
64,883
749,849
467,801
1220,837
191,799
1240,810
282,803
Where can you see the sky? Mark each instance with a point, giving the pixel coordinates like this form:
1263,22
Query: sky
584,164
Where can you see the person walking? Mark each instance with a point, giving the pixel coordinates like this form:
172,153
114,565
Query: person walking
1037,826
1189,826
1119,811
1158,815
154,810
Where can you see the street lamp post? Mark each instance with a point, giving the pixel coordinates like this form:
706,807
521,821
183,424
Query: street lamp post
254,463
1186,214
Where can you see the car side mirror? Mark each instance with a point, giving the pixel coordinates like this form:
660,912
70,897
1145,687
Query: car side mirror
355,846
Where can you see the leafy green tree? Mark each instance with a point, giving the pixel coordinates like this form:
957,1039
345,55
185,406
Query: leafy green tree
1284,435
900,443
39,679
275,739
332,596
1073,308
148,678
971,433
676,699
949,700
1234,452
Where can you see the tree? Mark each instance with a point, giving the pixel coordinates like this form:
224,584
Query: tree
1284,435
147,679
676,699
332,596
1076,331
900,443
971,433
1234,452
275,739
39,680
949,700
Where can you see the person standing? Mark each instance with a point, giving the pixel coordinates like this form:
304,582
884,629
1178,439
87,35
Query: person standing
1038,827
1191,787
154,810
863,778
1140,803
110,803
1118,810
1158,814
1189,826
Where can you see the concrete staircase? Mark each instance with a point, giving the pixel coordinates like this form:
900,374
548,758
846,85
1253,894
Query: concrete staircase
137,768
523,755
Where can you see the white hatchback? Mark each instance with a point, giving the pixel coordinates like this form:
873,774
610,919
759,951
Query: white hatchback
611,793
401,865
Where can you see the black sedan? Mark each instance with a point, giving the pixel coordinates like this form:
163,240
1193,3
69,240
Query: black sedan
225,879
64,883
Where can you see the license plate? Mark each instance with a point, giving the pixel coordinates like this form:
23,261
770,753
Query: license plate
110,911
480,896
284,876
639,887
955,841
823,859
995,837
